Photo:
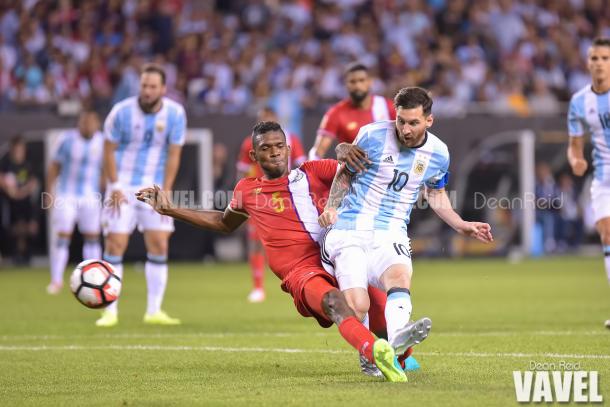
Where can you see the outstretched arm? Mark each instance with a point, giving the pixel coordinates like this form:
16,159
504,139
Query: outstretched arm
441,205
216,221
338,190
576,156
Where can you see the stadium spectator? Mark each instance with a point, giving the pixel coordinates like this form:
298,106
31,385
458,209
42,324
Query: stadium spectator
21,188
234,53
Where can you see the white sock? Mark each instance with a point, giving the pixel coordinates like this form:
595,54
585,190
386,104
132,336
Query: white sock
92,249
156,281
397,310
365,320
117,264
59,260
607,261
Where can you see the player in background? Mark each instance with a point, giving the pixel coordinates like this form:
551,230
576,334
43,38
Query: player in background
368,243
589,114
343,120
247,168
73,186
285,205
143,141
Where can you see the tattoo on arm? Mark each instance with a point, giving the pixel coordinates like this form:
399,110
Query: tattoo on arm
339,188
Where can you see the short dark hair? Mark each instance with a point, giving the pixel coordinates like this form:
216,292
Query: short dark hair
263,128
412,97
601,42
154,68
355,67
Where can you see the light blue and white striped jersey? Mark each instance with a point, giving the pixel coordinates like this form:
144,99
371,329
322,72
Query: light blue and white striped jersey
589,113
80,164
382,197
143,139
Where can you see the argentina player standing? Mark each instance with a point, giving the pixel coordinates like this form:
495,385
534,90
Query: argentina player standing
144,136
368,243
589,114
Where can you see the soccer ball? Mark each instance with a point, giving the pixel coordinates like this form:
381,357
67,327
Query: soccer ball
95,284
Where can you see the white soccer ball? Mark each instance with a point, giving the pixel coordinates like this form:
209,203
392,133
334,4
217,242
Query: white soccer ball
95,284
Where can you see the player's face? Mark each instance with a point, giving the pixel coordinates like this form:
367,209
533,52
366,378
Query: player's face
88,124
271,153
151,89
598,63
358,85
411,125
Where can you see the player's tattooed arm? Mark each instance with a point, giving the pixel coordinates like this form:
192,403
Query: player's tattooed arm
216,221
338,190
354,156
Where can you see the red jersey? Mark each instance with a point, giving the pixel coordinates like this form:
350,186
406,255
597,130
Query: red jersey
285,211
252,169
343,120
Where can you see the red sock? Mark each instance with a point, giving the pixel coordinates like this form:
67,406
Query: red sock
404,356
358,336
257,265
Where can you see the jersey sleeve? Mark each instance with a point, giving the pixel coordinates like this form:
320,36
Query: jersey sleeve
112,126
324,170
329,126
575,117
440,178
297,154
177,134
60,153
237,203
391,109
243,160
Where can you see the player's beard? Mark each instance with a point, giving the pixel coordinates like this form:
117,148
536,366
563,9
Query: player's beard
358,96
148,107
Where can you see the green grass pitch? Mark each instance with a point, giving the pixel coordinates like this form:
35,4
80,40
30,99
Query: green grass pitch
489,318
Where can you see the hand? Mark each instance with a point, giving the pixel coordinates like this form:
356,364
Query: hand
156,198
355,157
477,230
328,217
579,166
117,198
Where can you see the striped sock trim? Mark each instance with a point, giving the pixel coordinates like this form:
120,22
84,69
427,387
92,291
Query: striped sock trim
607,250
398,290
156,258
92,241
114,260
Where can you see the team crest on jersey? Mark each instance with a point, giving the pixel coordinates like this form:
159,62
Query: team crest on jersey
420,166
297,177
160,126
352,125
258,190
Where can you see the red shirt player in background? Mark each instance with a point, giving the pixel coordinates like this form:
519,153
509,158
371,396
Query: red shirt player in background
285,205
344,119
248,168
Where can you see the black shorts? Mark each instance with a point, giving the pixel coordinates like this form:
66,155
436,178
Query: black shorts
21,210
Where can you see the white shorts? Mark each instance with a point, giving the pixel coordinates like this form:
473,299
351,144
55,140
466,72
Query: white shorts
359,258
600,199
134,213
68,211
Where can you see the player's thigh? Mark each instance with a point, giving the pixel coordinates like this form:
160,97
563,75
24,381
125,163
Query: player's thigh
63,216
344,250
90,216
121,220
157,227
389,261
600,202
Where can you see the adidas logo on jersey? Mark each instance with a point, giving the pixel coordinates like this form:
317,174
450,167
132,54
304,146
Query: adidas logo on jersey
388,159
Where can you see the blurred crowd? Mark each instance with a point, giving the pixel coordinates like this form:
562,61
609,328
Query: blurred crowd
234,56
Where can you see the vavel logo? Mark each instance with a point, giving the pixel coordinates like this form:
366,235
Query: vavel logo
565,385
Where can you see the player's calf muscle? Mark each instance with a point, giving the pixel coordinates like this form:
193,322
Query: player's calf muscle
336,307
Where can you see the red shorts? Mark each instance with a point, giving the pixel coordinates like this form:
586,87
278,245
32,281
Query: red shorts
308,285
